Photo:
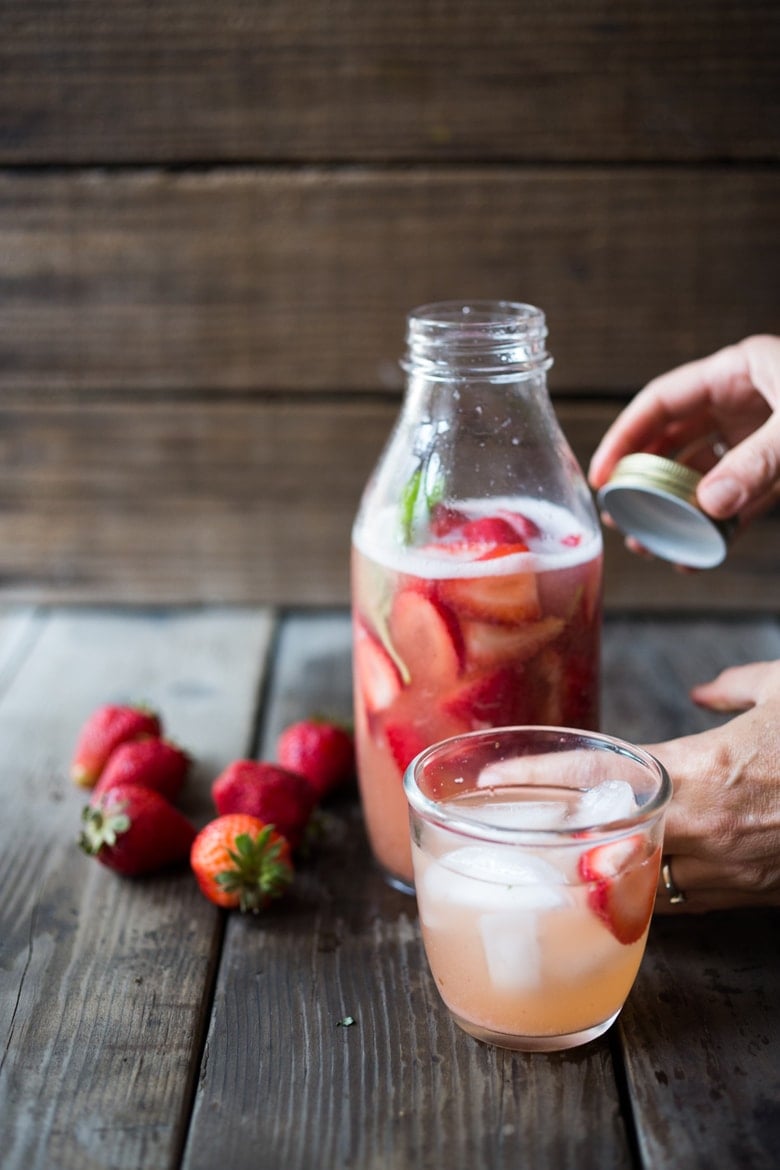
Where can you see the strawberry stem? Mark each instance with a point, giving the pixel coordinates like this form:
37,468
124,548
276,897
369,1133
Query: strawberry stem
101,828
258,874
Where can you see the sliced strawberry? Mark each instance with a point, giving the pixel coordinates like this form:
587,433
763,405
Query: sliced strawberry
445,520
486,700
405,741
622,876
488,644
499,597
491,530
524,526
427,638
376,674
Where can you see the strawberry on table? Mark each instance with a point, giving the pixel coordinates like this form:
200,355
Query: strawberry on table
135,830
240,862
103,731
276,795
623,875
153,763
322,751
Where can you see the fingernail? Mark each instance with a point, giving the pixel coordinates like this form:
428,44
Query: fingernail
721,497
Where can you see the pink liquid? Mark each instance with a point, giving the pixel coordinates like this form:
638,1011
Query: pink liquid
524,952
456,637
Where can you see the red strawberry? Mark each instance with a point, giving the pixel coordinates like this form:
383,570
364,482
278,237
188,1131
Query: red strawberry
526,528
489,644
492,530
240,862
376,674
152,763
105,729
486,700
622,876
405,742
135,830
277,796
498,597
322,752
445,520
427,638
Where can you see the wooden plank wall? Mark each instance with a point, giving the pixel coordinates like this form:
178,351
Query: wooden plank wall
214,217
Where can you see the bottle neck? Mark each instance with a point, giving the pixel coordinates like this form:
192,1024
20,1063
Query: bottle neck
490,341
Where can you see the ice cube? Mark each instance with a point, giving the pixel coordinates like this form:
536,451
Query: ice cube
488,879
518,814
612,800
510,940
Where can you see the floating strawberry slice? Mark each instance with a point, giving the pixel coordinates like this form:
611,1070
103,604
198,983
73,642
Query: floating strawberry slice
622,876
499,597
376,674
491,530
523,526
488,644
445,520
405,742
485,700
426,637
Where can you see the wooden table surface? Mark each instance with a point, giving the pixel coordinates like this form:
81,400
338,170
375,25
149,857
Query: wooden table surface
140,1027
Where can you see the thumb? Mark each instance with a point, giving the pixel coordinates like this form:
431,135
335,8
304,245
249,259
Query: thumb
744,474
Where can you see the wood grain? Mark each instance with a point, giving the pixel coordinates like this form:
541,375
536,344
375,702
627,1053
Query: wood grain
204,501
705,1010
402,1086
103,982
185,81
299,280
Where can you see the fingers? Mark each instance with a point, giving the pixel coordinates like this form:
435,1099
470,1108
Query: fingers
704,886
744,474
738,688
663,403
687,401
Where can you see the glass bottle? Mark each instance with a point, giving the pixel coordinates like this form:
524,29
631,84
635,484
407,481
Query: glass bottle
476,559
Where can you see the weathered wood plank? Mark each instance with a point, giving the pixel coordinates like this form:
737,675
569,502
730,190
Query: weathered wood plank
284,1085
184,80
288,280
699,1031
249,503
103,982
700,1038
649,666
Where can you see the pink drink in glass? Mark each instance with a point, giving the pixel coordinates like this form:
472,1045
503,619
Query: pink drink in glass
535,899
495,621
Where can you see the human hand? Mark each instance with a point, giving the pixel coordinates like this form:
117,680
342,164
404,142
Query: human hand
723,824
731,398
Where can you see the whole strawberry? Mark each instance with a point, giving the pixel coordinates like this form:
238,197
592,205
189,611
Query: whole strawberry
103,732
322,752
134,831
153,763
241,862
277,796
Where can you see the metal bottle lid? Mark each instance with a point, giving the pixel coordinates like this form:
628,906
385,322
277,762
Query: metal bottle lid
653,499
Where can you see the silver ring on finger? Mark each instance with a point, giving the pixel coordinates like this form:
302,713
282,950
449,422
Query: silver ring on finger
676,895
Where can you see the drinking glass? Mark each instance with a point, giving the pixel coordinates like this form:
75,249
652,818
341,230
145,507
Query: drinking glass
536,854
